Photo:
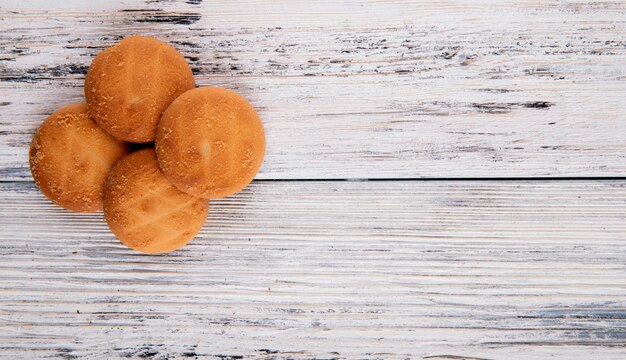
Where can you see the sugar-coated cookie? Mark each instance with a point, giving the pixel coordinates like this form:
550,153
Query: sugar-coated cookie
145,211
71,156
129,85
210,142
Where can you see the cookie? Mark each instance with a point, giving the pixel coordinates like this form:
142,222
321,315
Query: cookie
210,142
71,156
145,211
129,85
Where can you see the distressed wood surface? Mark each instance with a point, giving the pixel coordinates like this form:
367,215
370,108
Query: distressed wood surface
342,269
387,269
357,89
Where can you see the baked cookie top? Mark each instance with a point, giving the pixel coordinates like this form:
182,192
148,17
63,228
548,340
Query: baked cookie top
210,142
129,85
70,157
145,211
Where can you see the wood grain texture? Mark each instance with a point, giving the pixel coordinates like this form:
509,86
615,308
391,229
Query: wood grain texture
387,269
342,269
353,89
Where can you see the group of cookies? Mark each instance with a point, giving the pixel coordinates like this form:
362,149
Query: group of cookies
208,143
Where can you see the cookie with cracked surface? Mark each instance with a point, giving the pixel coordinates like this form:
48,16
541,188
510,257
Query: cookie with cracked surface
210,142
145,211
129,85
71,156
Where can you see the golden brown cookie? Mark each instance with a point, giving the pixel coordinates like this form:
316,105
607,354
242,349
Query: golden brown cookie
145,211
210,142
129,85
71,156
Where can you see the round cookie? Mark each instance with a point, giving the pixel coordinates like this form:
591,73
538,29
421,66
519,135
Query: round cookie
210,142
129,85
71,156
145,211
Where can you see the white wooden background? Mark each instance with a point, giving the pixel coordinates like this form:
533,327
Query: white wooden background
492,225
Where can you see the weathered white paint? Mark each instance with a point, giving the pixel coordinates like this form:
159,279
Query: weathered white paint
360,89
378,269
392,269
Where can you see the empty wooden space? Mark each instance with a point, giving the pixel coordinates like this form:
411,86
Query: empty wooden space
516,251
361,269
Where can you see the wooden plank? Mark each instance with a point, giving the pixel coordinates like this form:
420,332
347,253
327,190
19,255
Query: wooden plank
385,269
351,89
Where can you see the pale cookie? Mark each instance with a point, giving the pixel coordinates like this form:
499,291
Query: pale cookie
145,211
129,85
71,156
210,142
